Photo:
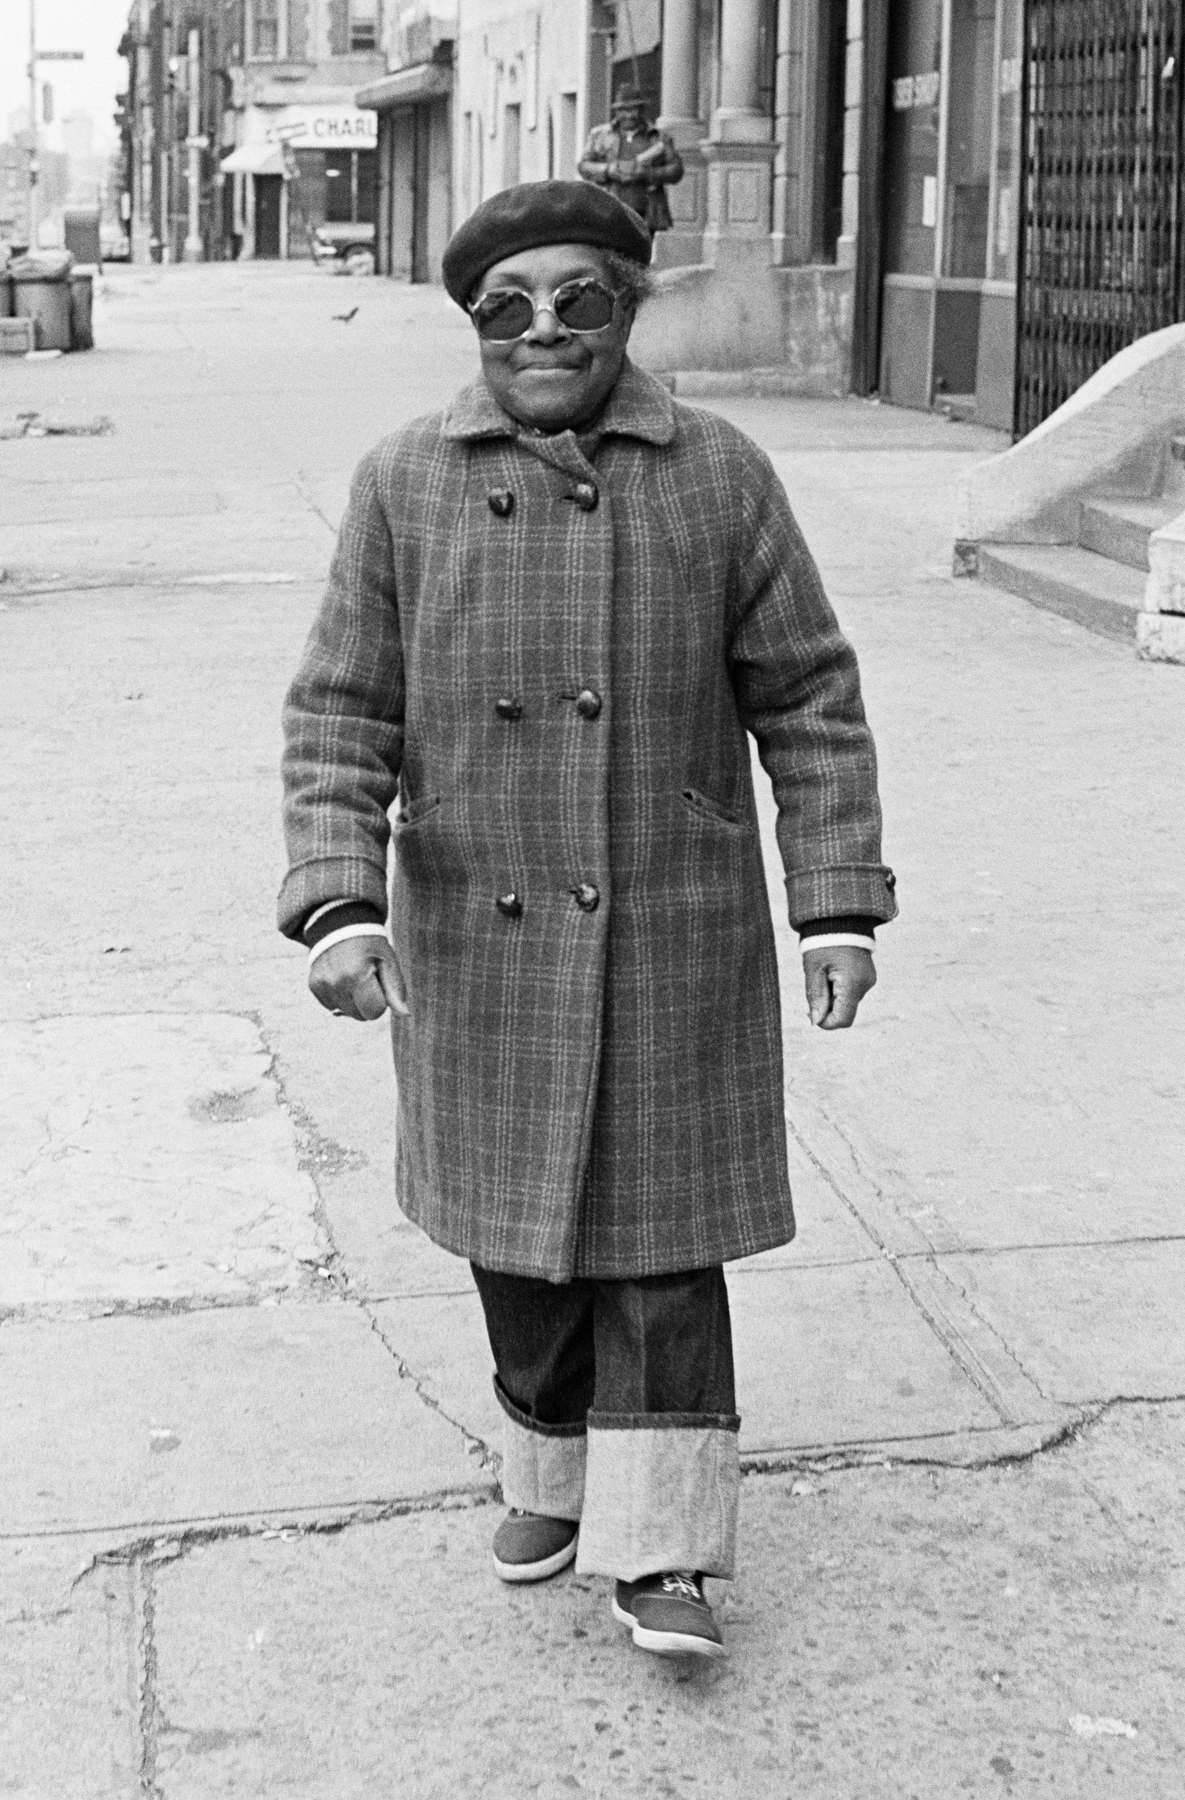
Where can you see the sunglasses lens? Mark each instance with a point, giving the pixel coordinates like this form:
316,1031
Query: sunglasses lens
584,306
502,315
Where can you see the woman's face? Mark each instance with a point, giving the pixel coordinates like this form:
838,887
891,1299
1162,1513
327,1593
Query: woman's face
553,379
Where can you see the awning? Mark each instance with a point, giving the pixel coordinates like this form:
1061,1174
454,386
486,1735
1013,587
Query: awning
422,81
254,159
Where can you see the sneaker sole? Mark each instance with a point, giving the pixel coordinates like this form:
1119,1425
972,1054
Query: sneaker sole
665,1643
536,1571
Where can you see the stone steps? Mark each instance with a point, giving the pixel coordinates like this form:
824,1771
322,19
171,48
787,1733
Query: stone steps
1124,578
1119,525
1092,590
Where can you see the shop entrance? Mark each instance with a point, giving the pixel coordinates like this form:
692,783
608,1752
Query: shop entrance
951,173
269,191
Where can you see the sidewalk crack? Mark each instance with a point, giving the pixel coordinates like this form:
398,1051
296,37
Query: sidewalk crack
485,1457
149,1706
338,1276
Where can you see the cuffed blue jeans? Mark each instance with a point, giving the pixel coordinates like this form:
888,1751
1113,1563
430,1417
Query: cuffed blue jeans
620,1411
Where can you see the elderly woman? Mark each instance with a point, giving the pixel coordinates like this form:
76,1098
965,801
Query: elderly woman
555,613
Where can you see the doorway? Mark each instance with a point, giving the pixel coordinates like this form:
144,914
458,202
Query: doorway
830,74
268,205
943,243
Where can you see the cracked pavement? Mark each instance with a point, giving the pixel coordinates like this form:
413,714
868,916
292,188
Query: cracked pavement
247,1434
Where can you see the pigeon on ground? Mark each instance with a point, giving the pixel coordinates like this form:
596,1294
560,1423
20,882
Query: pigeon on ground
344,318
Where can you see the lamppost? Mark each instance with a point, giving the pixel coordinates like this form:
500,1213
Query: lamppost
195,143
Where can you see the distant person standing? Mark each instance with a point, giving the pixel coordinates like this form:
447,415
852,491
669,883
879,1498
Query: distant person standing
633,159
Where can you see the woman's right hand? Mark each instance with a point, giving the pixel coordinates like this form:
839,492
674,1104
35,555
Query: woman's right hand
359,978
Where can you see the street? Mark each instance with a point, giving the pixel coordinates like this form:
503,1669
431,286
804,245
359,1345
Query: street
247,1430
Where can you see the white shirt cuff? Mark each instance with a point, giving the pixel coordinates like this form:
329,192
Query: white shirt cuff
836,940
339,936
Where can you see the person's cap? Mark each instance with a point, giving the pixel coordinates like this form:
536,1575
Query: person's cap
537,213
628,97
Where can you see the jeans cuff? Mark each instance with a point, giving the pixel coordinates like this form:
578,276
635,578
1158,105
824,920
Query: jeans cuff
542,1465
660,1495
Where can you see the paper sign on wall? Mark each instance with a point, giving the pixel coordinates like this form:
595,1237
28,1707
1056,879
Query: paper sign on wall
930,200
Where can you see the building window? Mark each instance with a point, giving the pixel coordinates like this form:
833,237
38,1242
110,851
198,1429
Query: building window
364,24
265,28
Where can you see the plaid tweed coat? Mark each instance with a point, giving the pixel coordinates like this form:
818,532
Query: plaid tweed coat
551,663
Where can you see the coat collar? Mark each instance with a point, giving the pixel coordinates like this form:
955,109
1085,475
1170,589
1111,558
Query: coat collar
638,407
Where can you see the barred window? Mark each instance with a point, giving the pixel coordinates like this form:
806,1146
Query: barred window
265,28
364,24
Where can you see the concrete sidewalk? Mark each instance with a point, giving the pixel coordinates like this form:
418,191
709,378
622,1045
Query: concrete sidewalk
217,1332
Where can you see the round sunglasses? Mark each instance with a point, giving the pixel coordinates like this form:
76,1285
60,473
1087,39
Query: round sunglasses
505,314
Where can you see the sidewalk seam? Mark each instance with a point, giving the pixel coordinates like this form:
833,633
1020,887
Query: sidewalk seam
995,1332
919,1269
167,1545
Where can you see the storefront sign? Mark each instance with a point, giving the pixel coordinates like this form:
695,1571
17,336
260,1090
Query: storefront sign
325,128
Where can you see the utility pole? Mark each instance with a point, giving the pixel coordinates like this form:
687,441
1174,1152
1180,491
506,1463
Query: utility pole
194,144
38,56
34,165
145,139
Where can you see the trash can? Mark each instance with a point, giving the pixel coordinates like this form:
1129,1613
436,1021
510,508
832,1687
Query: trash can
81,229
41,292
82,290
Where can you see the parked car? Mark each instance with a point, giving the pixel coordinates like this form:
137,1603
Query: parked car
350,248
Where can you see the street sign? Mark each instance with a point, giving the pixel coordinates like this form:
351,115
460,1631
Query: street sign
61,55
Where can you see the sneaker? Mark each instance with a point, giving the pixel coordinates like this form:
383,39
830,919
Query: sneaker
529,1547
668,1614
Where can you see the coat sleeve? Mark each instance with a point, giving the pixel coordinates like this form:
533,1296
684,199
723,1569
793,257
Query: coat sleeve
594,163
667,170
343,723
798,692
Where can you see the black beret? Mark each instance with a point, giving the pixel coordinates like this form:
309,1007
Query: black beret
535,213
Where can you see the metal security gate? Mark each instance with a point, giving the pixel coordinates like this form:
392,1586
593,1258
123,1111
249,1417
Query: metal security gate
1101,250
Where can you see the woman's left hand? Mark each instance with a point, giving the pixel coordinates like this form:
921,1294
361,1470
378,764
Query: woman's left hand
836,981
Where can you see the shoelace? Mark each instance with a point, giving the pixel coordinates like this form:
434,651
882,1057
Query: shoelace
683,1583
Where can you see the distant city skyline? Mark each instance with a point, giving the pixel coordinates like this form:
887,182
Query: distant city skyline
93,26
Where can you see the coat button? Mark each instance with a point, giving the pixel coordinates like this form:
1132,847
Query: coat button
508,709
585,495
501,502
588,703
509,905
586,897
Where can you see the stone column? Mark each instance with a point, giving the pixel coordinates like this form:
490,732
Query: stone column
679,116
680,66
845,250
737,115
794,120
740,148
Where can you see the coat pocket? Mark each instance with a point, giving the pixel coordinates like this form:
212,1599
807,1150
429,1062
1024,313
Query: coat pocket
415,810
702,807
